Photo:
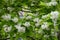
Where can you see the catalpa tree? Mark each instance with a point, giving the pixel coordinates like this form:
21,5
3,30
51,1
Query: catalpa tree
29,19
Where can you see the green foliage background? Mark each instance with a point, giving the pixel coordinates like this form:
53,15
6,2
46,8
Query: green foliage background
28,6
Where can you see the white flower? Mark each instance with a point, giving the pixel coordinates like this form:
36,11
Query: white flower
44,16
20,29
28,17
6,17
10,8
27,24
53,0
17,26
54,15
7,28
15,19
44,26
46,36
52,3
37,24
48,4
36,14
32,4
21,13
40,31
36,20
20,38
25,9
40,21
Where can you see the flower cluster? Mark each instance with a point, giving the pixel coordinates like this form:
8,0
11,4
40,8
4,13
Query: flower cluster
29,20
52,3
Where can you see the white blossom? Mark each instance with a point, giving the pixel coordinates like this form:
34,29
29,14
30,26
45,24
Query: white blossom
6,17
21,13
54,16
36,14
15,19
36,20
52,3
20,29
40,31
7,28
48,4
44,16
40,21
20,38
17,26
37,24
45,25
46,36
10,8
53,0
27,24
25,9
32,4
28,17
